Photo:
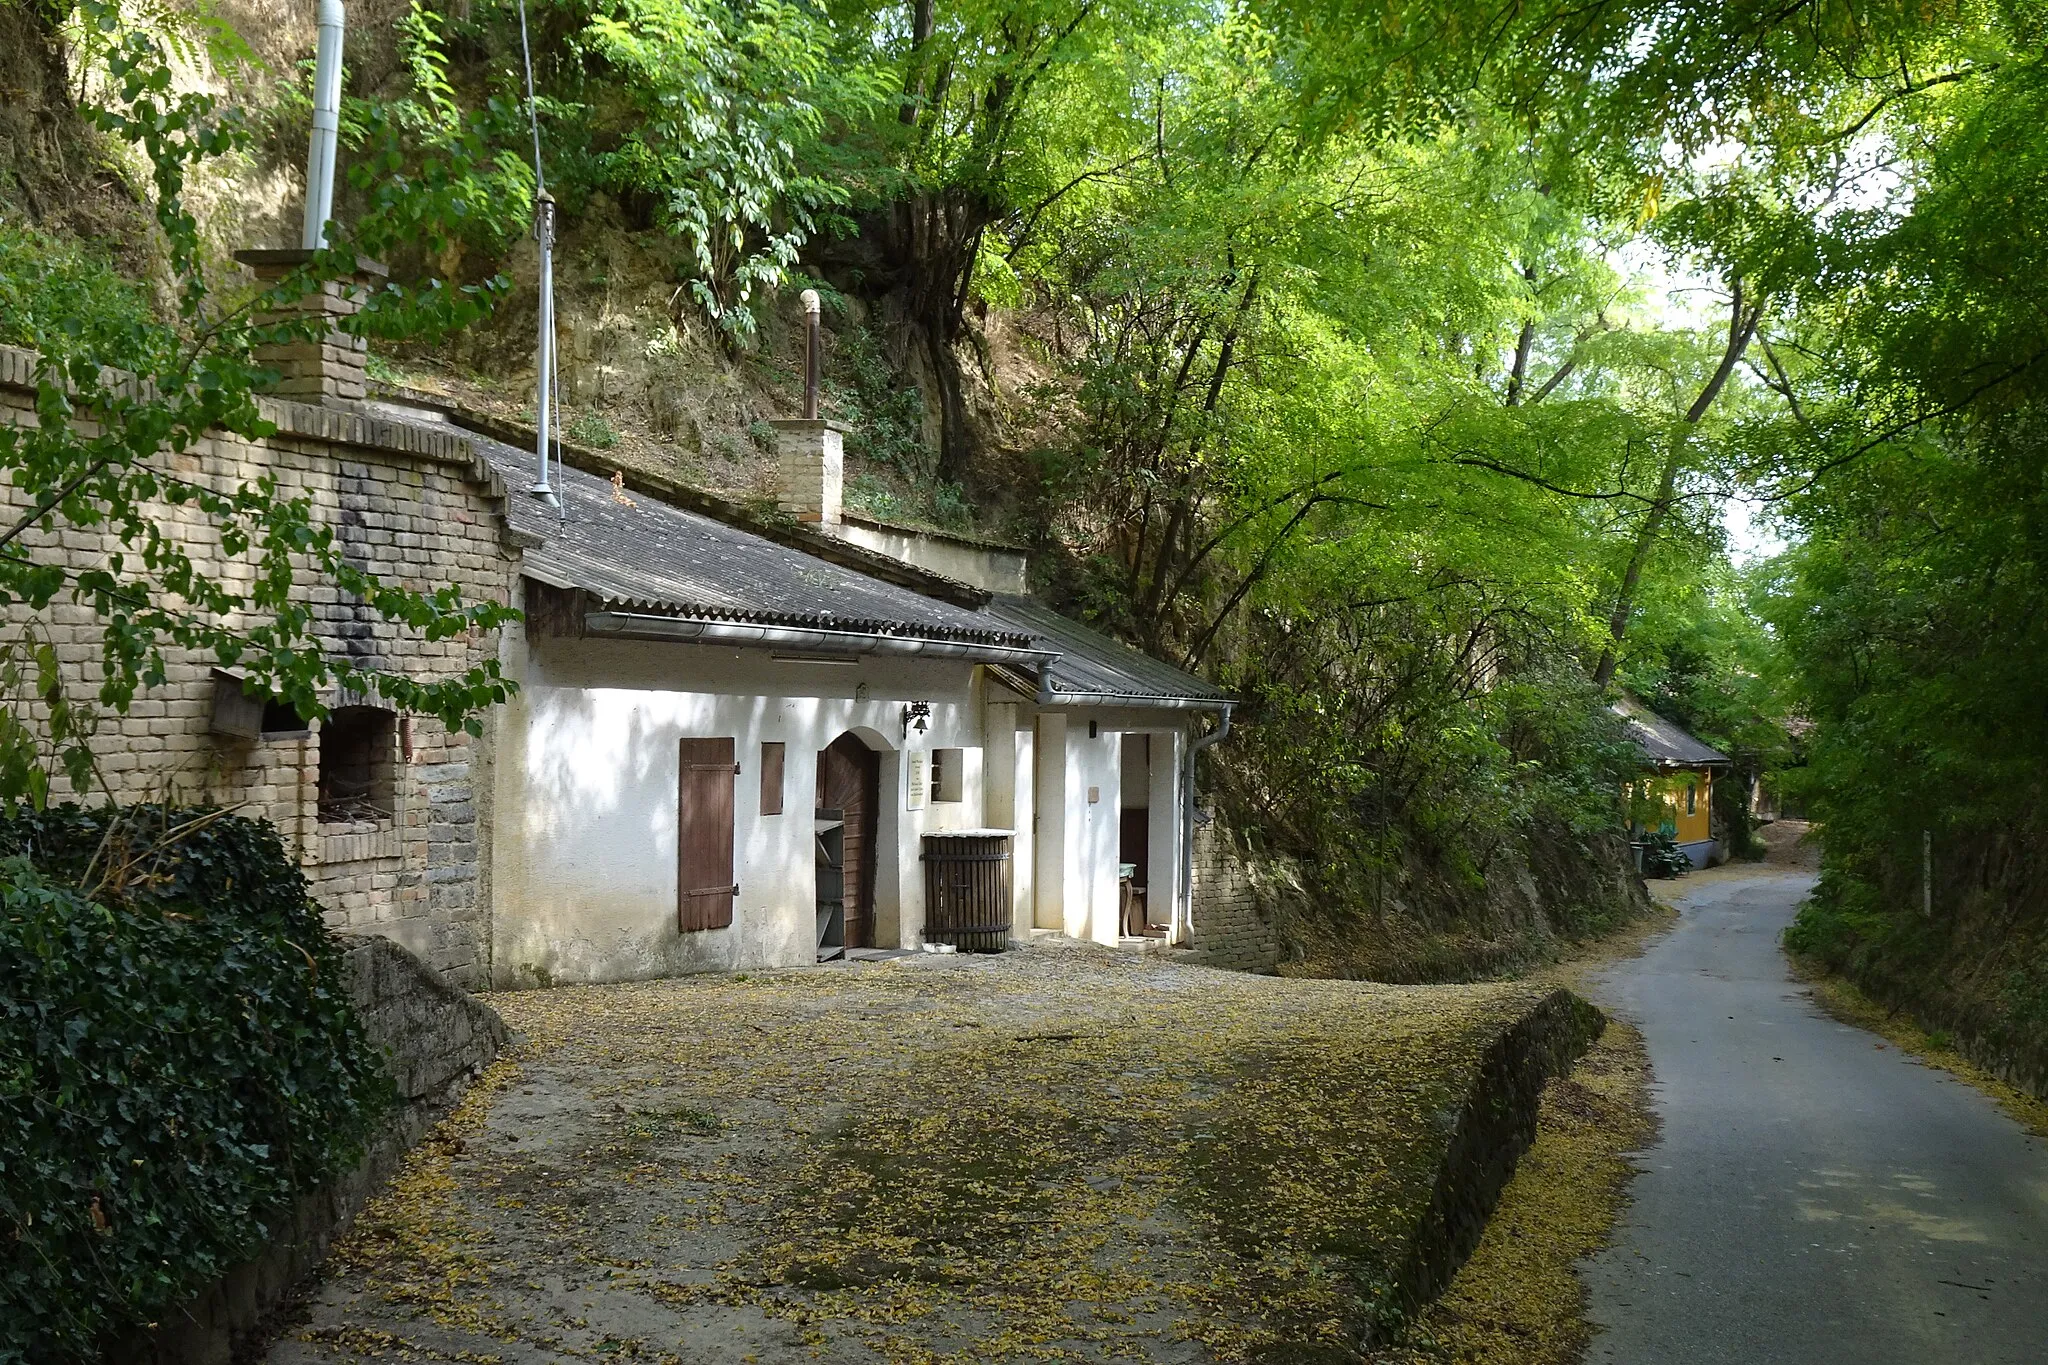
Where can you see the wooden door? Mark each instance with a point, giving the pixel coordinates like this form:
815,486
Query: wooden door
849,778
704,886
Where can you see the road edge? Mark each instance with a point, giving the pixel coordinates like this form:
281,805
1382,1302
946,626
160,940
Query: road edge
1845,1002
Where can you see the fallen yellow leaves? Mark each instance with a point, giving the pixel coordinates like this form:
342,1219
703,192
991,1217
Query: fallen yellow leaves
1055,1155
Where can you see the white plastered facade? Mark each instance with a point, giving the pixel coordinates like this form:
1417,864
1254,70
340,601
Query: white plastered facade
586,796
584,887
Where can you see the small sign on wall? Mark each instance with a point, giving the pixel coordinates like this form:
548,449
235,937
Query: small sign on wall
916,776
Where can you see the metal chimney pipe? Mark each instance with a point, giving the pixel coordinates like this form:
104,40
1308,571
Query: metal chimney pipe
326,126
544,233
811,306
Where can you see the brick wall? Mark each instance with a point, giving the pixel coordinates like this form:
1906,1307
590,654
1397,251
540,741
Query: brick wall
1232,923
410,504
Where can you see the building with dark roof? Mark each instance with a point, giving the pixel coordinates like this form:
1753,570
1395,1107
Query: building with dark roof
1674,794
741,739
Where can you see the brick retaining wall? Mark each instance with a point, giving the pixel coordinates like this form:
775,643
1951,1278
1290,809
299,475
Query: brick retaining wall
1232,923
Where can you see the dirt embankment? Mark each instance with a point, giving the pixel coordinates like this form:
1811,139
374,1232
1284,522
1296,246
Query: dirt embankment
1045,1155
1536,900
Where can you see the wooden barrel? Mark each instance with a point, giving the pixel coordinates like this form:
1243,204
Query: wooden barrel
967,889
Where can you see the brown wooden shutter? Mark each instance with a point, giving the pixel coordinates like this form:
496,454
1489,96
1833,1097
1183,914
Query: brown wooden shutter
704,884
771,778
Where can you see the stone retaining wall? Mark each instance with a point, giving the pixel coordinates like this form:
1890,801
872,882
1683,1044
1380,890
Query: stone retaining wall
1495,1124
1232,923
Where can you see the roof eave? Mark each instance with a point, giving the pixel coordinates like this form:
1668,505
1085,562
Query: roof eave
1163,703
759,635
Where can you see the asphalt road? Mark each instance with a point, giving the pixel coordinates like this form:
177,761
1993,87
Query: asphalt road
1813,1196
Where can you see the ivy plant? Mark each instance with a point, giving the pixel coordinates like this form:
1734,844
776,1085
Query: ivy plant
179,1057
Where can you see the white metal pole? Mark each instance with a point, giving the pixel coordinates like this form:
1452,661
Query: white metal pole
544,231
326,126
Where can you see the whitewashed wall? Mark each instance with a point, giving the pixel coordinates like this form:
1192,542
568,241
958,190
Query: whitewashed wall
1049,816
1092,771
1076,854
1162,878
584,880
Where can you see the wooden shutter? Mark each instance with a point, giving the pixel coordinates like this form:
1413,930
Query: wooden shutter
771,778
704,884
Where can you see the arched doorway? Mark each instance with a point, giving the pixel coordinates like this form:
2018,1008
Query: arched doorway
850,780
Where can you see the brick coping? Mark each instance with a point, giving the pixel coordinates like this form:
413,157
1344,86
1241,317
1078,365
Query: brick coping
336,426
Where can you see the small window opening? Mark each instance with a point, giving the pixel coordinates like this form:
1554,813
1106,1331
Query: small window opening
1692,796
358,772
280,719
948,768
772,755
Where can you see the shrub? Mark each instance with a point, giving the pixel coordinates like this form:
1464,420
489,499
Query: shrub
592,430
1662,857
179,1057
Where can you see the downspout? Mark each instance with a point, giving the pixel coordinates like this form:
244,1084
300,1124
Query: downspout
1186,909
326,126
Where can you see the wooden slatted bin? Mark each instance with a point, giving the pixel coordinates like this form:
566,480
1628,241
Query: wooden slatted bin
967,889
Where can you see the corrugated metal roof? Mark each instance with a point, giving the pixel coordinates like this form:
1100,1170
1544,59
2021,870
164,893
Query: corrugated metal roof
1091,665
651,556
1661,741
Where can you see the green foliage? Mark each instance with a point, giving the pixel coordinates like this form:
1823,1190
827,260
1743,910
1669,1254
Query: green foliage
437,174
717,110
1911,603
872,495
1662,857
1371,432
51,287
593,430
885,414
121,394
886,420
178,1059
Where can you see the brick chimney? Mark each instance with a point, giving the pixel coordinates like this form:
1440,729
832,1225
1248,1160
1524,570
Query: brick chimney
813,467
327,368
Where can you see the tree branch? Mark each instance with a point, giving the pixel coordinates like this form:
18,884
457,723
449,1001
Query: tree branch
1910,89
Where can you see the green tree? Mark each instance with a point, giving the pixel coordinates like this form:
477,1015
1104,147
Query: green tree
1005,109
723,111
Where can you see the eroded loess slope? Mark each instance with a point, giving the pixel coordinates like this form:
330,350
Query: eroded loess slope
1057,1154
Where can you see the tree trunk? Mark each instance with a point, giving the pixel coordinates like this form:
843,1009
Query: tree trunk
913,76
1742,321
1632,577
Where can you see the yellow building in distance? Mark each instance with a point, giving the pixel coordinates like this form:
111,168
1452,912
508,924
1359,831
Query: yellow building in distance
1674,793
